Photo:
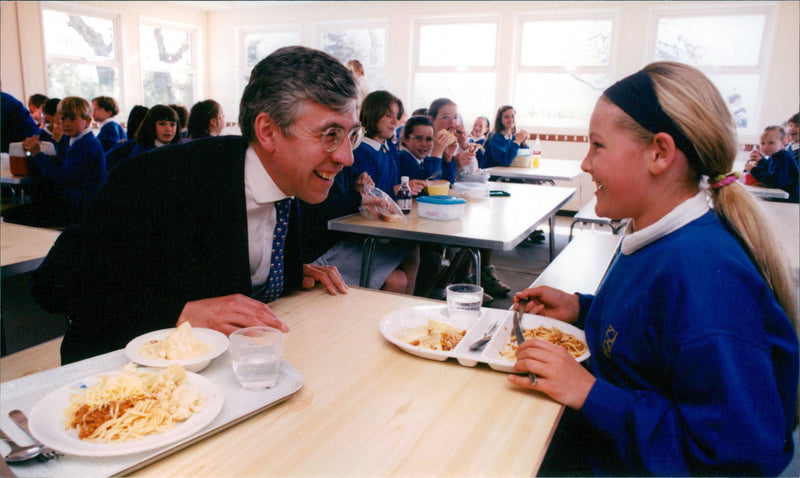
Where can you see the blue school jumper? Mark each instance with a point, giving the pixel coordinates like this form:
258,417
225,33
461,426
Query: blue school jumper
110,135
379,160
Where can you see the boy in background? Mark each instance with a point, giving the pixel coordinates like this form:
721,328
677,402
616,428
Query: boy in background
772,165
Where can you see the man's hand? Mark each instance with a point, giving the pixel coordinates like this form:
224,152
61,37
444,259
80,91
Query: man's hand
229,313
328,275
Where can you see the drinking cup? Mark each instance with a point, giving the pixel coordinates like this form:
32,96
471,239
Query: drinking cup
464,300
256,353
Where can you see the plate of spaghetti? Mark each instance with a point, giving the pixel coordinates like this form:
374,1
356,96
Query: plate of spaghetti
127,411
504,344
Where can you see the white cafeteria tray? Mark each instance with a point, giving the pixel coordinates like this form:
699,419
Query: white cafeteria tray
417,316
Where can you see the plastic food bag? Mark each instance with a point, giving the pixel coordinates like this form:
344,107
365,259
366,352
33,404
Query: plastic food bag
376,204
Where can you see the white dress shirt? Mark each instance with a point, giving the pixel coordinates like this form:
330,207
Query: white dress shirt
260,192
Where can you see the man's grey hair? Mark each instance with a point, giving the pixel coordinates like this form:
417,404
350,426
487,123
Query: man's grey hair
281,82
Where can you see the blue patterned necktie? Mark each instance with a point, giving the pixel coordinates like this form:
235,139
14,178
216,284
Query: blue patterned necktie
274,285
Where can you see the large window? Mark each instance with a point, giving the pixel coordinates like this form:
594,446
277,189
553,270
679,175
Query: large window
456,61
364,42
168,65
82,56
259,44
729,47
563,67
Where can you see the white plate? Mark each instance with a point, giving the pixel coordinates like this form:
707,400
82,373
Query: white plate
47,421
492,351
417,316
217,340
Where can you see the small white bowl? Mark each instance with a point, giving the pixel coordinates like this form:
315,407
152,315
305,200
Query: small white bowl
217,340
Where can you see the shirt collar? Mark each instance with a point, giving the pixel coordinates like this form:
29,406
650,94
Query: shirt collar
682,214
76,138
403,148
258,181
372,143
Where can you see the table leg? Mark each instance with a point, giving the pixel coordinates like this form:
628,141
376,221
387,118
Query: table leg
366,261
551,221
476,263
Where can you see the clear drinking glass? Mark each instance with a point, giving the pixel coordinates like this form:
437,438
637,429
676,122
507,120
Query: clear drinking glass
256,353
464,300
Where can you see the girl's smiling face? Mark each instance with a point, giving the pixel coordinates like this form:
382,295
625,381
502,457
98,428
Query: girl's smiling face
618,163
479,128
509,119
420,141
165,131
388,123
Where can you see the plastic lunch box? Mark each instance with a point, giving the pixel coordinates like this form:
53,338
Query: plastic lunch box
442,208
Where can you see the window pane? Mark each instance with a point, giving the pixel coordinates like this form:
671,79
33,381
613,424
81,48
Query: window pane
367,45
167,88
568,43
259,45
718,41
461,45
558,99
473,92
82,36
161,47
740,91
86,81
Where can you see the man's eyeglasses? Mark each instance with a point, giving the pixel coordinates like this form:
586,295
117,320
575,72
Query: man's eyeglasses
333,136
448,117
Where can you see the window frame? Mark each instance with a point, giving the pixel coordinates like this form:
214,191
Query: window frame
195,70
768,9
69,9
241,35
424,21
319,28
614,15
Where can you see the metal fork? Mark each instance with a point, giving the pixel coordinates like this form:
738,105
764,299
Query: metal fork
21,420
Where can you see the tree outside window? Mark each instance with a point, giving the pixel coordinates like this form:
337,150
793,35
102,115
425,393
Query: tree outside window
365,44
168,70
81,55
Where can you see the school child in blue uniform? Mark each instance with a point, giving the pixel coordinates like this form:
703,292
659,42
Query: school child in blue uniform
70,180
773,166
505,142
111,133
377,154
420,155
159,128
694,366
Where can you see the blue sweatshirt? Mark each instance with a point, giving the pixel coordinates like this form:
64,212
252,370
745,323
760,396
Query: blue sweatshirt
110,135
696,363
379,160
499,150
779,171
77,171
408,165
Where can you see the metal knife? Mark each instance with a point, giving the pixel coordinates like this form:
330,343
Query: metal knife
521,335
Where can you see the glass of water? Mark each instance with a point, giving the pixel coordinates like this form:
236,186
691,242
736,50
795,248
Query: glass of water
464,300
257,353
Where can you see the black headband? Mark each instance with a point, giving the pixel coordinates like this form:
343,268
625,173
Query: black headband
636,96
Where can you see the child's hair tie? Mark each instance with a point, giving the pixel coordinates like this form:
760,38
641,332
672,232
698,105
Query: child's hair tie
724,179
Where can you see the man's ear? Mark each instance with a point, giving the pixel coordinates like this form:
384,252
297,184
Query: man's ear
266,131
664,151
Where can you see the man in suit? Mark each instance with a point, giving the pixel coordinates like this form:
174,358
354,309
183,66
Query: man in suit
185,233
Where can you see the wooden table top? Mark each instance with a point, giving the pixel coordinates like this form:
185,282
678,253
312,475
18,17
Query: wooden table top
367,408
549,170
22,248
494,223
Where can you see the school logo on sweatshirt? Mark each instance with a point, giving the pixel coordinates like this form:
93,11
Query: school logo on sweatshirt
608,341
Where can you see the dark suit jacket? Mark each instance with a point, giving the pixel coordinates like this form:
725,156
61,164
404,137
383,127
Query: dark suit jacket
168,227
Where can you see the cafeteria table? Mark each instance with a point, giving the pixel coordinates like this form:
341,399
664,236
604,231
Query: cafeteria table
22,248
548,172
16,183
496,222
366,408
766,193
